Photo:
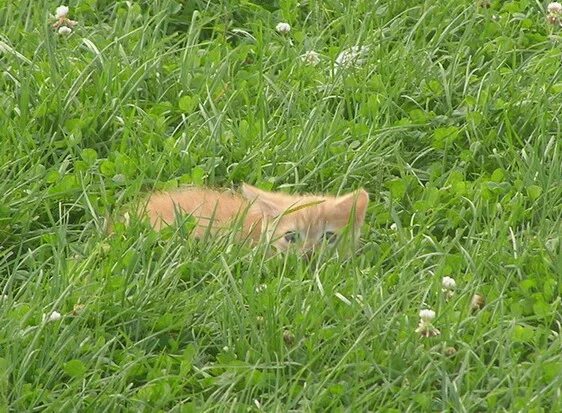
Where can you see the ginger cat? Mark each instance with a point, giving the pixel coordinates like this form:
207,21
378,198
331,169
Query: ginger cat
300,222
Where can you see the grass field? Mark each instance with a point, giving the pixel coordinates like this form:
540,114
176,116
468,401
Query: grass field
449,118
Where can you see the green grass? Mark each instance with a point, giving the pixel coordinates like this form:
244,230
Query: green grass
451,124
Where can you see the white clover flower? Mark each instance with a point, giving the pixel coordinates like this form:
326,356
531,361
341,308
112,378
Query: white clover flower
54,316
61,12
449,351
288,337
477,302
78,309
425,328
283,28
354,56
427,315
393,226
552,244
310,58
63,24
554,7
449,283
64,31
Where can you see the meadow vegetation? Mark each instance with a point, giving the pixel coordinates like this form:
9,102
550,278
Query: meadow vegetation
448,116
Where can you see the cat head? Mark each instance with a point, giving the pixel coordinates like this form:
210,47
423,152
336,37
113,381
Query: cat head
307,222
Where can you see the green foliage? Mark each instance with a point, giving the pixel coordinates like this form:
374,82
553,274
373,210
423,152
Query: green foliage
450,122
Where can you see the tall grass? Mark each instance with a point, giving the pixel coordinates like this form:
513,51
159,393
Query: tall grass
451,123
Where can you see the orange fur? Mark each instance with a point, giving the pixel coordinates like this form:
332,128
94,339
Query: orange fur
313,219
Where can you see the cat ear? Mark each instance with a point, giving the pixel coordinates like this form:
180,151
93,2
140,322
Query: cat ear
267,202
354,202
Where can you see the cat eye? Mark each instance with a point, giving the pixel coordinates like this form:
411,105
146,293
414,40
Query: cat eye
291,236
329,237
